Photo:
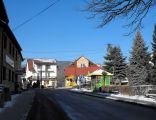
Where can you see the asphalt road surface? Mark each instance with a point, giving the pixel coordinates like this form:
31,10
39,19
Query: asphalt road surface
45,107
81,107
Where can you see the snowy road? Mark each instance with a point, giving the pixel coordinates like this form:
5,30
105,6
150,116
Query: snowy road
48,104
81,107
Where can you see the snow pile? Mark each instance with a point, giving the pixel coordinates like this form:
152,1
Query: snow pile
86,90
136,97
118,96
81,90
9,104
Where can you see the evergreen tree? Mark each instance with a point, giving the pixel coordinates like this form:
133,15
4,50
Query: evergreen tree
154,57
115,63
119,65
138,70
108,59
154,46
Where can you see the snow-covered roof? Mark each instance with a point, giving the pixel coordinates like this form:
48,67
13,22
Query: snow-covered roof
99,72
31,63
46,60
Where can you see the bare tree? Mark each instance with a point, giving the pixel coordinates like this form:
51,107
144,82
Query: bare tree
108,10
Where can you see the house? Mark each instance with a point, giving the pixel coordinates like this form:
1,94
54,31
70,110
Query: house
78,70
42,70
10,54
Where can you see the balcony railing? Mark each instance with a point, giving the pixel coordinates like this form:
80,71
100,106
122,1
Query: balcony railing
43,77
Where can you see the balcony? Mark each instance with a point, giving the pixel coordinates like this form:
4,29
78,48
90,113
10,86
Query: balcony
43,77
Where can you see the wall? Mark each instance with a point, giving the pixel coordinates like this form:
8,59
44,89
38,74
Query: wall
0,55
46,73
81,61
52,70
12,63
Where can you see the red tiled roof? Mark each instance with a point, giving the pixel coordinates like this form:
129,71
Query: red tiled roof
80,71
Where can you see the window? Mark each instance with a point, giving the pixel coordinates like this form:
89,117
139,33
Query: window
39,67
48,66
43,74
13,76
13,52
16,77
10,46
4,73
9,75
5,41
82,65
16,56
48,74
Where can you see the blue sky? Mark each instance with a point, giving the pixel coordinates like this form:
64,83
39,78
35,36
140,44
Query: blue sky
63,32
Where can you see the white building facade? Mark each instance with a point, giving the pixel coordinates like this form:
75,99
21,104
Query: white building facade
42,70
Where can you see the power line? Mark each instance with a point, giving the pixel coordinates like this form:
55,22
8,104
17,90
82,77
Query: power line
36,15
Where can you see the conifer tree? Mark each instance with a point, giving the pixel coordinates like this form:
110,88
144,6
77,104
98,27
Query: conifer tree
119,65
109,59
154,57
138,69
115,63
154,46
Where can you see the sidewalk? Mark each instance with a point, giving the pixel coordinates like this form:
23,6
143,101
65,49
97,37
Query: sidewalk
18,107
139,100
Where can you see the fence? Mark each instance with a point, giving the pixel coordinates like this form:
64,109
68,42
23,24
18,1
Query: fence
142,89
123,89
130,90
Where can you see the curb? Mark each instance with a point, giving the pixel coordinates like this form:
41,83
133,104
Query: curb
119,99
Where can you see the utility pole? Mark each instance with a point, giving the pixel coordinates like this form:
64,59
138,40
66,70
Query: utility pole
41,76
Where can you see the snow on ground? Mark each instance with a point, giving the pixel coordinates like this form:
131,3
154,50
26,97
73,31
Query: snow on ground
81,90
136,97
9,104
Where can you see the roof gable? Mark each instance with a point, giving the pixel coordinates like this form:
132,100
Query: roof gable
72,69
75,62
